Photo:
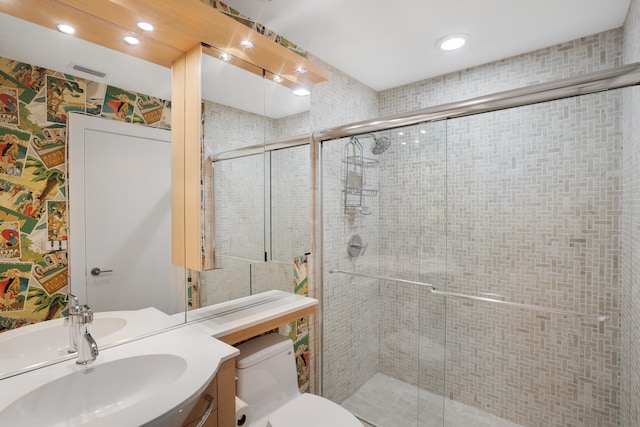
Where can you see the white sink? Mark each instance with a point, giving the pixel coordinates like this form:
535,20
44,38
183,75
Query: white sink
47,342
155,380
43,342
96,394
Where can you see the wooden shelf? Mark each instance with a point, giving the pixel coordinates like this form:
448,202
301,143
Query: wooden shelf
240,319
265,326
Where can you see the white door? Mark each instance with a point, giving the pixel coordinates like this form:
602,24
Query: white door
120,217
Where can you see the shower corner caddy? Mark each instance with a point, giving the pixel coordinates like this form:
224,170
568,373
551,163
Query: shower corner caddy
354,179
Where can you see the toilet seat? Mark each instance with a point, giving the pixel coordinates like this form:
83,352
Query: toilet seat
312,411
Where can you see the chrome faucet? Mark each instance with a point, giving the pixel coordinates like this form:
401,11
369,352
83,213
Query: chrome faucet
72,323
79,321
87,347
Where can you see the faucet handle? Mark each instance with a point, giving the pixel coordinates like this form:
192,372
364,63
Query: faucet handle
74,304
85,314
355,246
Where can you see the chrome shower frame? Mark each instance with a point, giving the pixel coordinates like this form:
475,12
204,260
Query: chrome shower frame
615,78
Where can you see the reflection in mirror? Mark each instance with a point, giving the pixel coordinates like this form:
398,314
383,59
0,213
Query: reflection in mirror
261,115
290,204
239,207
260,211
119,222
38,65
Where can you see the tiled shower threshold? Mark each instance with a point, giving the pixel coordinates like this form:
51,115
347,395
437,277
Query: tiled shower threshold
386,402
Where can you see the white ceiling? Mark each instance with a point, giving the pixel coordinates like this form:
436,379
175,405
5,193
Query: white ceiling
385,44
382,44
36,45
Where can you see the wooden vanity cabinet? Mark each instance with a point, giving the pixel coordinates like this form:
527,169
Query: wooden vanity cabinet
222,389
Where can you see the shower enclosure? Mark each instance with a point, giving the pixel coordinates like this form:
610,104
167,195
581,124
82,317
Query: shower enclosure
488,294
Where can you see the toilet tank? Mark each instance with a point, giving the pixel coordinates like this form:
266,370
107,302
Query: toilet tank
266,373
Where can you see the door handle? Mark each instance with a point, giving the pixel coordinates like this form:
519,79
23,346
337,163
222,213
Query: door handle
95,271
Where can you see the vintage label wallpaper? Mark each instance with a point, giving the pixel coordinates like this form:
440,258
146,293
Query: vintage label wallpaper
35,104
298,330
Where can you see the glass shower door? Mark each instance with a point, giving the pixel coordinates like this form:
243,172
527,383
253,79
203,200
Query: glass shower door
383,334
533,198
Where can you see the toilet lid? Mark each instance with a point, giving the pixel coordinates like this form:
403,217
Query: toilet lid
310,410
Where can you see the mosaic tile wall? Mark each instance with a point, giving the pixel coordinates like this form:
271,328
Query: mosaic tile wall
340,100
584,55
534,216
290,203
241,203
630,344
34,107
351,330
249,188
597,395
350,320
240,222
597,52
413,247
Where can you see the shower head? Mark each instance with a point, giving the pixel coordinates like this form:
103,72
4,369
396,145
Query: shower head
380,144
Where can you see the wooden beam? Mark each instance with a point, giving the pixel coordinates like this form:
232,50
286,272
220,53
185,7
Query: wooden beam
186,153
127,17
178,79
179,25
192,159
216,29
92,28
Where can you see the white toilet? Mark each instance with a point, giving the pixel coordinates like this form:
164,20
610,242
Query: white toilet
267,381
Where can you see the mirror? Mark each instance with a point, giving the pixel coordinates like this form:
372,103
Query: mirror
37,54
35,71
119,217
260,196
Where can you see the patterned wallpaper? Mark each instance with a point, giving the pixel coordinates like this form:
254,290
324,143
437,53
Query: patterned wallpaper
35,104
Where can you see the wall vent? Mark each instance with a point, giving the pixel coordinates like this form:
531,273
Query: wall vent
89,71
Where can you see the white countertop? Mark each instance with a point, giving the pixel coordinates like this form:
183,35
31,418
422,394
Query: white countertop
232,316
202,357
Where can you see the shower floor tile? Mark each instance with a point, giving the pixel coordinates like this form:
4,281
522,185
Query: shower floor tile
386,402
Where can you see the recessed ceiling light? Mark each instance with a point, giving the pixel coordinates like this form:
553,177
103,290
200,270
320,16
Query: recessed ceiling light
246,43
130,40
423,131
301,70
277,79
452,42
400,133
67,29
145,26
301,92
225,56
